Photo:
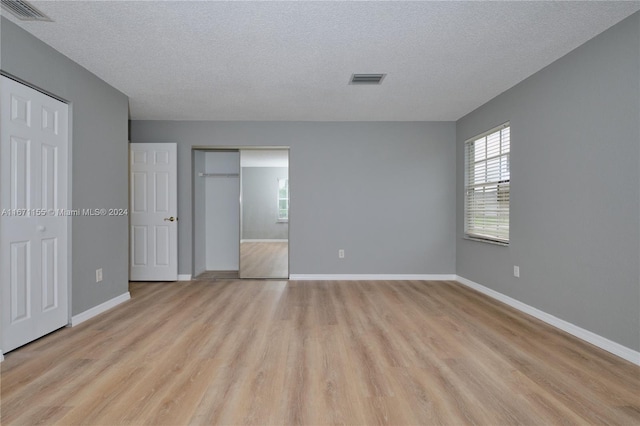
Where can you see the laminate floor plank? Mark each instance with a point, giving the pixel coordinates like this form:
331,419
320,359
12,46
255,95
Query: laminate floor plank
227,351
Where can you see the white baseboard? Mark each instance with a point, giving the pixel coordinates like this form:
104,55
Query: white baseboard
586,335
371,277
184,277
264,241
97,310
1,356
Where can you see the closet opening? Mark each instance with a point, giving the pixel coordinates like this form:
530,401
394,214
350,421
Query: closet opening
241,213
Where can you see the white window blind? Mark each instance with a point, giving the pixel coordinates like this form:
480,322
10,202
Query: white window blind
487,185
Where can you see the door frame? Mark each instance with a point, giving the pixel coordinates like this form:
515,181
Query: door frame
238,148
69,245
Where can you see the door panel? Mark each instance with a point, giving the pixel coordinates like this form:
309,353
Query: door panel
139,192
139,238
49,173
20,110
33,239
153,236
162,245
49,120
161,190
20,173
49,274
20,281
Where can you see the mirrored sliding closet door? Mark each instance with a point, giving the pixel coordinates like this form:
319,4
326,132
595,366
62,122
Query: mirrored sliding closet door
264,213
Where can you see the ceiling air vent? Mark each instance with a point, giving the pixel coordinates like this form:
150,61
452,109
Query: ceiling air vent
366,78
24,11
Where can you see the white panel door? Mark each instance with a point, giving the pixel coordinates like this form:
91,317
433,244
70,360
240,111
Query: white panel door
153,206
33,230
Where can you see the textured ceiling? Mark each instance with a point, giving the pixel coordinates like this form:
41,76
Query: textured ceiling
237,60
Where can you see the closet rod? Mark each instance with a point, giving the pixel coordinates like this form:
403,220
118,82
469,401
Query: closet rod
218,174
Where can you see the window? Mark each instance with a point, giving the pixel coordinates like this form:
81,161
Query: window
487,181
283,199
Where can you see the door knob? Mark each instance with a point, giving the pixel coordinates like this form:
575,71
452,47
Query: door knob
41,228
170,219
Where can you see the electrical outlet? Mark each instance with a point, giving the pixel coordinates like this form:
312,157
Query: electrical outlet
516,271
341,254
98,275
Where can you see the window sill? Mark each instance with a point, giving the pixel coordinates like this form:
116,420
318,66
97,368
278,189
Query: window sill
482,240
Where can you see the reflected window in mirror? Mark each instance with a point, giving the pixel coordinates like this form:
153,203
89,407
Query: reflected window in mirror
283,199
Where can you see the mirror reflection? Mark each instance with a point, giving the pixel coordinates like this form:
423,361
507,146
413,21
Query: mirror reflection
264,228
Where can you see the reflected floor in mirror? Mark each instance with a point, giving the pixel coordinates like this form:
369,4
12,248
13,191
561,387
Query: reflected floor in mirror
218,275
264,259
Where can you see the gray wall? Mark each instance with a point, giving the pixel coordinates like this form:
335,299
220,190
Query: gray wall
100,161
222,195
259,203
384,192
575,142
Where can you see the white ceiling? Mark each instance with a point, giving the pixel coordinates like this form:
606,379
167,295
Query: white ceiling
188,60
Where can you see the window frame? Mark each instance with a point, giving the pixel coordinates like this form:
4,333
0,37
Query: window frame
469,144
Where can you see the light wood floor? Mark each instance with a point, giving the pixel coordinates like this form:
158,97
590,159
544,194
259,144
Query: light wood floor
218,275
278,352
264,259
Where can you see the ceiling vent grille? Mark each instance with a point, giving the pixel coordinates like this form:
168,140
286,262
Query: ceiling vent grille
24,11
366,78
